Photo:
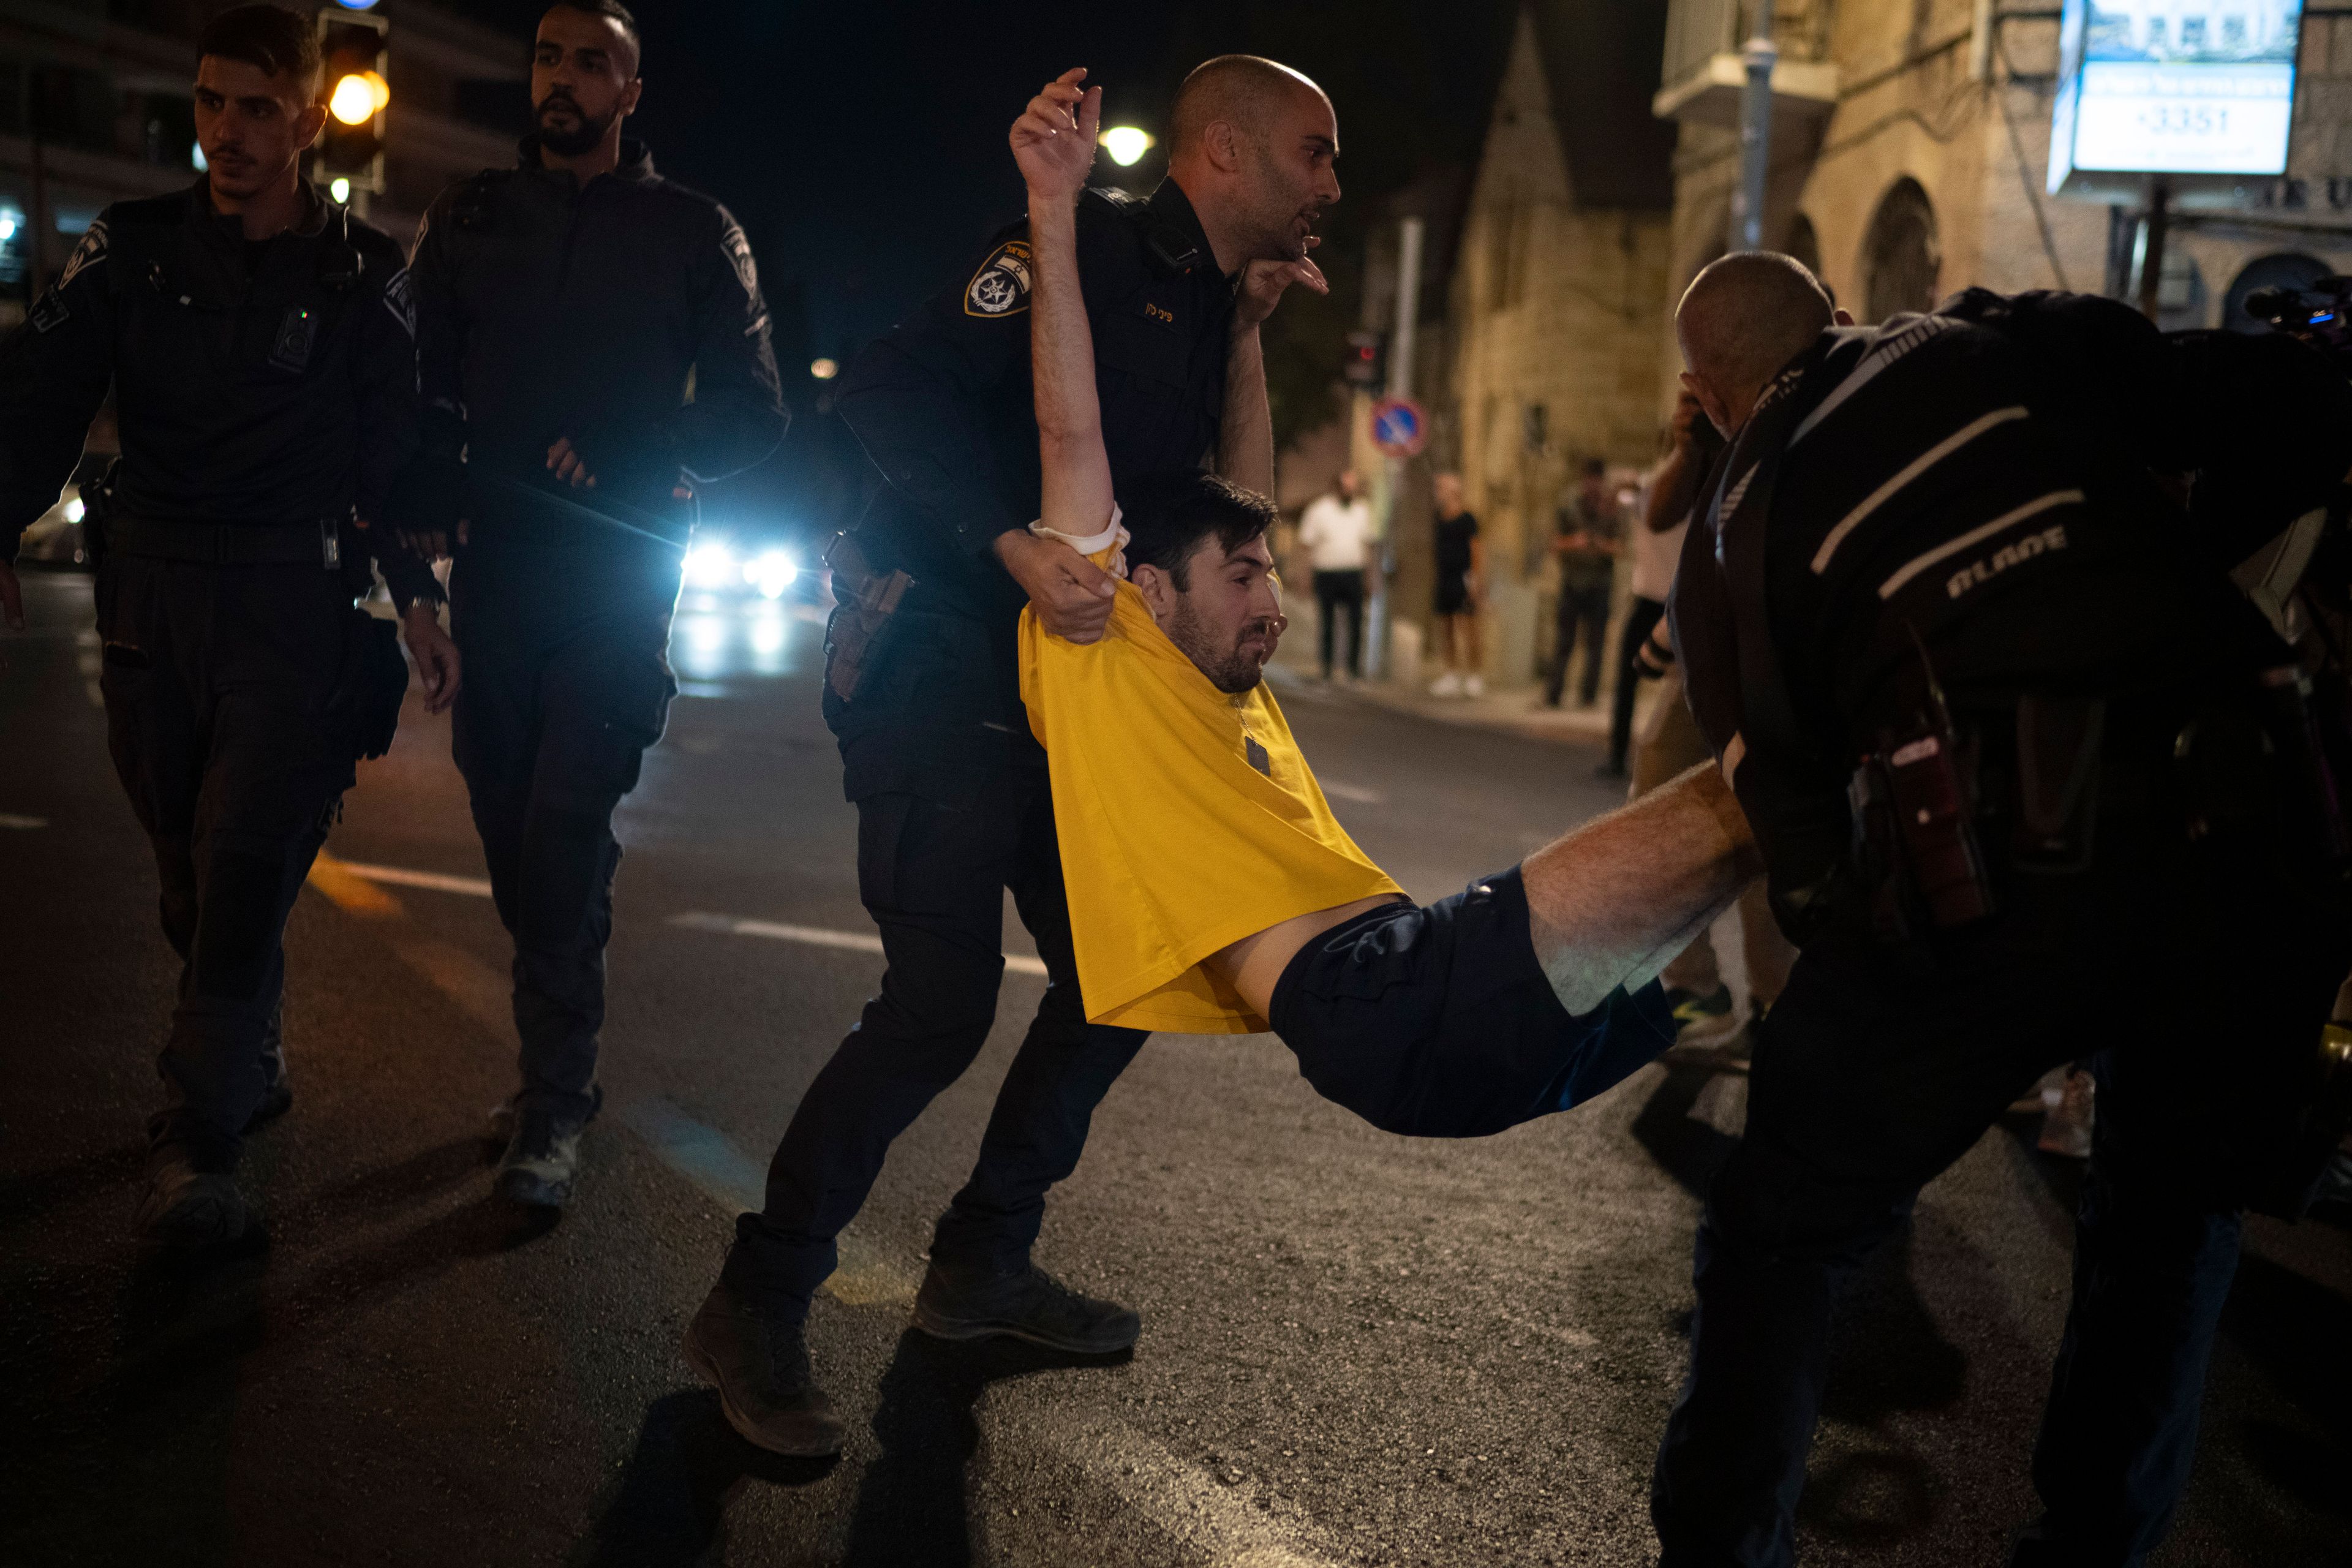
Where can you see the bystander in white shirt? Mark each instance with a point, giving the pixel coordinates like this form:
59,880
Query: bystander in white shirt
1336,532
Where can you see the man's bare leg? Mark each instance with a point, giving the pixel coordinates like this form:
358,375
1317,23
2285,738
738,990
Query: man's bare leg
1613,902
1609,905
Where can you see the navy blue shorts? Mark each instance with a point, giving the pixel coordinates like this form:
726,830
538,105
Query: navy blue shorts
1438,1021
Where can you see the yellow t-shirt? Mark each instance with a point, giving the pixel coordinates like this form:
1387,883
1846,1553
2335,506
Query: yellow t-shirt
1188,820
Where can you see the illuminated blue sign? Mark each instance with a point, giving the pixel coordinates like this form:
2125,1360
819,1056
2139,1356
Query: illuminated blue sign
2174,86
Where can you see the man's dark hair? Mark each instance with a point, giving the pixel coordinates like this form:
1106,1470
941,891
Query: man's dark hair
271,39
616,11
1168,516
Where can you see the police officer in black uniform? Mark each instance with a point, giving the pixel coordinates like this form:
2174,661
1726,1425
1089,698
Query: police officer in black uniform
592,342
949,785
259,342
2032,779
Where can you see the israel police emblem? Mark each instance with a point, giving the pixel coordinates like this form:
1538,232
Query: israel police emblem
1001,287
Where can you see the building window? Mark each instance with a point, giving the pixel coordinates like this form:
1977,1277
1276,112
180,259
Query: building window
1901,255
1537,421
1506,231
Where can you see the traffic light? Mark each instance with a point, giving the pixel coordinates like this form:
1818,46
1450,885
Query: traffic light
352,47
1363,362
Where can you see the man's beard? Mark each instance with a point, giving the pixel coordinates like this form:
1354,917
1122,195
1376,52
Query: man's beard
581,138
1232,669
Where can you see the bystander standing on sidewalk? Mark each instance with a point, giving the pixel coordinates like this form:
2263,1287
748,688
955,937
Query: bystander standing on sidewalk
1461,587
1657,541
1589,533
1336,531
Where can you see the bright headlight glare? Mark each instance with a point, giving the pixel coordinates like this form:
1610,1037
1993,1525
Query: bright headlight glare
709,565
772,572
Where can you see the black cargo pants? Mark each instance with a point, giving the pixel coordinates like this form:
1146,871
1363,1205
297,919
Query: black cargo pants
229,699
567,683
949,817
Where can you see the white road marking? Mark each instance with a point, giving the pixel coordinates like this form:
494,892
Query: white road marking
1340,790
1220,1517
10,819
434,881
817,936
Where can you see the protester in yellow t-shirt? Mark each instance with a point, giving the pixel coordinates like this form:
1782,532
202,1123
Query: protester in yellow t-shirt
1211,889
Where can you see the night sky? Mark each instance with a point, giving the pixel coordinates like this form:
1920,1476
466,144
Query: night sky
861,142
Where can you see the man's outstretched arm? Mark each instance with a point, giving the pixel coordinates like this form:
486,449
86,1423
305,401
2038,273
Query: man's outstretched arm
1054,142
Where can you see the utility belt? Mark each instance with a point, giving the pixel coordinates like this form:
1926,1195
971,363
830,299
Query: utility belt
2253,771
375,672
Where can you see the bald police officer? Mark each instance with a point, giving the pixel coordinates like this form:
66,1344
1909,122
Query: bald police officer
1955,547
950,788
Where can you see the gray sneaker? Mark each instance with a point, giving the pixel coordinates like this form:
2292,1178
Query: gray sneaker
759,1363
1031,1305
541,1161
187,1209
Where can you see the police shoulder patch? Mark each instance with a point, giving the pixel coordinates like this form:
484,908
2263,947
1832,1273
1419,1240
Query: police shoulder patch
400,298
1001,287
88,254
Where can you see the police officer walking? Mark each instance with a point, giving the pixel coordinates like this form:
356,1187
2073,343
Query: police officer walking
2087,812
922,693
259,341
592,342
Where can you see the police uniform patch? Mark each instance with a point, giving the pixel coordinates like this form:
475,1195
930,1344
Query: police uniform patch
400,298
1001,287
739,254
90,251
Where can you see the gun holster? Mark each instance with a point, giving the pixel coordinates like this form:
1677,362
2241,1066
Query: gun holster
864,600
379,683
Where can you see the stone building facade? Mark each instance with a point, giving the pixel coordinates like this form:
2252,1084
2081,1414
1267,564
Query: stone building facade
1911,144
1558,287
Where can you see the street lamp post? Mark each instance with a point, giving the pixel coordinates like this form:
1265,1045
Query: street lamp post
1401,345
1755,133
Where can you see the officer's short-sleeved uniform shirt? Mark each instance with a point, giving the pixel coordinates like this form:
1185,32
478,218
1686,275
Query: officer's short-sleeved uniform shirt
943,403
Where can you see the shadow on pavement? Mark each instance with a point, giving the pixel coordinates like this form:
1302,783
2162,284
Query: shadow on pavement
1888,1355
671,1503
910,1504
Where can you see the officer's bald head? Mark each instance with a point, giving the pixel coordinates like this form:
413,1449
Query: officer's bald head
1742,320
1252,144
1243,90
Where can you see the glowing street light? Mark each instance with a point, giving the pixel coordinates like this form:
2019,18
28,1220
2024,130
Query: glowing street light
1126,145
824,369
358,97
341,191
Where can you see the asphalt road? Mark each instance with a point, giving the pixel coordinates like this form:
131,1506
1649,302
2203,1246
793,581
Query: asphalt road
1356,1349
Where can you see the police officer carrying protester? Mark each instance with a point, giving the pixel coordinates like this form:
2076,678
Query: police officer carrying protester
922,692
258,340
592,343
2029,772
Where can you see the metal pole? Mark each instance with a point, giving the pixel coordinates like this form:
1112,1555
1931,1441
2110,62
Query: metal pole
2151,260
1401,344
1755,133
36,265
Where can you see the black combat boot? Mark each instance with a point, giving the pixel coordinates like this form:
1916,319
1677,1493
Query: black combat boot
189,1209
541,1161
1027,1304
758,1361
278,1093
